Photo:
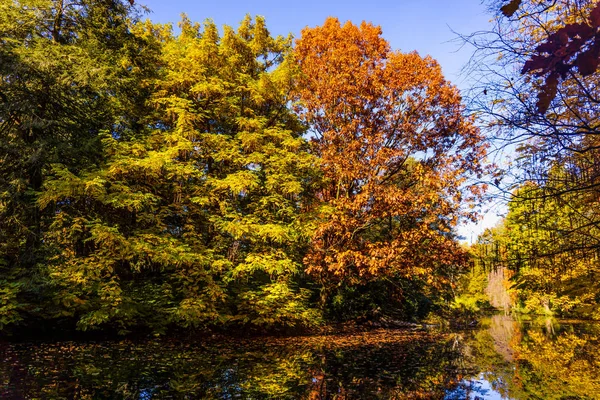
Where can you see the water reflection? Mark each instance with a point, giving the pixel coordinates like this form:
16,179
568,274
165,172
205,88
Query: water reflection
504,359
477,388
539,359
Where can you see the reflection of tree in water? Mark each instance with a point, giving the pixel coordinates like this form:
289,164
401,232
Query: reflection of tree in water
502,329
537,360
385,363
382,364
486,369
558,361
515,360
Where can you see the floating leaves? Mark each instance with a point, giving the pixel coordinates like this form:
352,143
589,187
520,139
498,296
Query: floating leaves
361,364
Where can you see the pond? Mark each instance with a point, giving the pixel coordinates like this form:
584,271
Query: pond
502,359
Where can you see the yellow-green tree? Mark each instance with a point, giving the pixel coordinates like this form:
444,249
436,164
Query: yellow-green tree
69,70
549,244
196,220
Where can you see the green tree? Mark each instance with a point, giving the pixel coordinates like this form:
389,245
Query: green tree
549,246
197,221
67,72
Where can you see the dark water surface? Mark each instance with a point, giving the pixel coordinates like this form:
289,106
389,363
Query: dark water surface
503,359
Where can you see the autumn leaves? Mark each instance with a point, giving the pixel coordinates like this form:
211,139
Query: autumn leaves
239,179
395,150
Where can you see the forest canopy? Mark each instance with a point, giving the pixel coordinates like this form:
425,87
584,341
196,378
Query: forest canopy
223,177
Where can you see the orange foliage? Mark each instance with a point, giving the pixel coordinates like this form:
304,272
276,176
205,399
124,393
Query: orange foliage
396,153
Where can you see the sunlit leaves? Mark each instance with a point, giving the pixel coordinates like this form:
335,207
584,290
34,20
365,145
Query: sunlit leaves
549,243
574,46
157,179
205,200
389,130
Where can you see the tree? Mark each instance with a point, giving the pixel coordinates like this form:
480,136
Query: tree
575,46
396,152
67,71
196,220
538,59
520,65
552,250
549,245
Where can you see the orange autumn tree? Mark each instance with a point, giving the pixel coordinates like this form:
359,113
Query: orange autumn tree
396,152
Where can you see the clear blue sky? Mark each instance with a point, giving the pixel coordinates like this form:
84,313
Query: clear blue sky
422,25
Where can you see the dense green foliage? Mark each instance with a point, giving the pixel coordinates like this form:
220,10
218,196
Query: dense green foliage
196,220
150,179
545,242
69,74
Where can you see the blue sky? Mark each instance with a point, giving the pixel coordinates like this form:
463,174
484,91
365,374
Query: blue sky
422,25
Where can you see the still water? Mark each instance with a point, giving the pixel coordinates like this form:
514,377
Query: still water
502,359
